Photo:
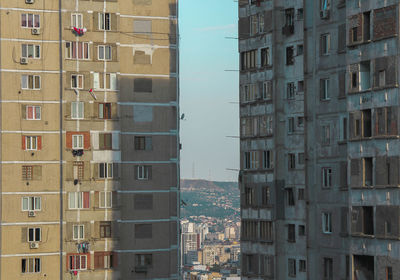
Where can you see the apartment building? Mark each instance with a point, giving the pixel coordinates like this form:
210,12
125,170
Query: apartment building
319,120
89,139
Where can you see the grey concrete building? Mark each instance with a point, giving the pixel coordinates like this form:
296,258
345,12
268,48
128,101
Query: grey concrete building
319,102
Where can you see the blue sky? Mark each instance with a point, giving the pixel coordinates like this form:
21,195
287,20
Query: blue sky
209,94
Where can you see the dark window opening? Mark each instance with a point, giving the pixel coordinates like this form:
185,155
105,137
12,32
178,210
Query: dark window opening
363,267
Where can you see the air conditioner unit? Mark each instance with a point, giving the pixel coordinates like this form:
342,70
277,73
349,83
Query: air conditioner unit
34,245
23,60
324,14
29,1
35,31
31,214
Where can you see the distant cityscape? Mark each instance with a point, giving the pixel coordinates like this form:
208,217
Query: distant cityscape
210,229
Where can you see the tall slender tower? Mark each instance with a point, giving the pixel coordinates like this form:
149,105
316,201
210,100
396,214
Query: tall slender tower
319,108
89,139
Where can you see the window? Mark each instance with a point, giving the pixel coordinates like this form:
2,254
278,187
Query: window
261,23
143,231
78,170
33,112
300,158
78,232
265,57
77,262
326,134
31,265
31,203
104,260
325,5
77,20
105,230
77,81
105,170
302,230
326,177
30,21
104,53
249,196
105,111
291,233
389,273
77,142
382,78
267,90
302,266
34,234
105,141
292,267
326,222
143,260
290,196
266,230
30,51
289,17
143,143
266,196
105,81
300,14
248,60
143,172
300,86
290,90
292,161
365,75
290,125
267,159
105,199
300,194
253,25
328,269
30,82
78,200
32,143
104,21
300,49
77,50
77,110
325,46
324,89
31,172
388,228
289,55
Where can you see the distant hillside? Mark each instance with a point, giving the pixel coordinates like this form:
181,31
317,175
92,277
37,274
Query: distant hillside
210,198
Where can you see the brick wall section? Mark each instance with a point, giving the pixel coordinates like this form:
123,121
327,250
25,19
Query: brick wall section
389,64
355,21
385,22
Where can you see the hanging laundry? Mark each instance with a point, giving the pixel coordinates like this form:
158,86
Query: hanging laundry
79,31
92,94
75,272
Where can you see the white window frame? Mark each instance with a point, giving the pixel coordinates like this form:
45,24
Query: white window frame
36,51
36,112
33,20
27,265
77,110
78,232
34,234
327,222
112,82
75,200
32,203
107,169
80,261
31,143
104,52
142,172
105,199
69,53
25,82
261,28
79,79
77,20
326,177
78,142
325,89
102,21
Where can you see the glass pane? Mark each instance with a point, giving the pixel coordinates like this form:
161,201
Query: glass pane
81,107
37,234
30,264
37,82
80,141
80,50
37,112
38,203
30,51
110,170
80,194
37,265
37,51
30,82
101,52
81,233
86,50
109,198
23,20
23,268
24,81
102,199
30,234
75,232
30,20
24,51
101,111
72,200
37,21
108,52
83,264
73,109
25,203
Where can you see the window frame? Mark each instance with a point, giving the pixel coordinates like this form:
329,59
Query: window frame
34,230
72,261
36,111
105,167
76,23
102,24
327,222
34,203
36,50
76,142
31,143
79,80
33,20
80,232
325,47
26,266
71,46
106,197
35,79
102,51
142,172
76,113
326,176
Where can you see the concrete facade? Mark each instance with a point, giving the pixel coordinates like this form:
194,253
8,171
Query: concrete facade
320,151
89,139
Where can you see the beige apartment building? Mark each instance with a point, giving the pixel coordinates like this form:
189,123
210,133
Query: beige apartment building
89,139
